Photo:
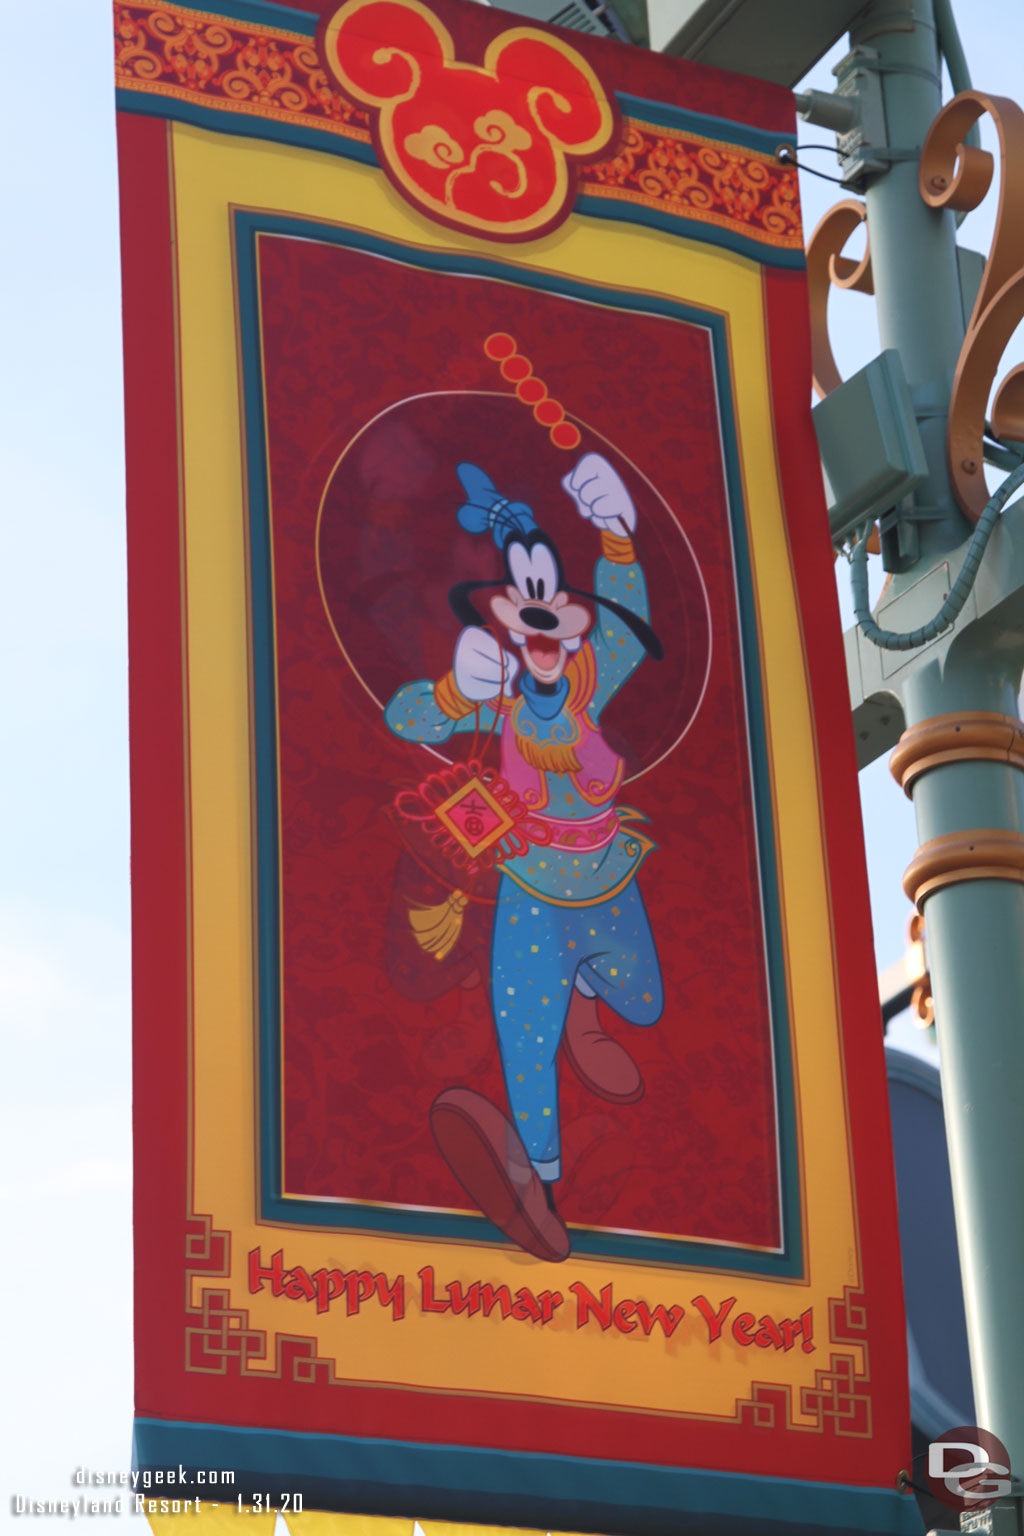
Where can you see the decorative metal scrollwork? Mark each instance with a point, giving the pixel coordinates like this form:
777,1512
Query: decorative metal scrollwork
956,175
827,267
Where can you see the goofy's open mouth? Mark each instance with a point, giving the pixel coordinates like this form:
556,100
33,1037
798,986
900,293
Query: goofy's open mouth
537,612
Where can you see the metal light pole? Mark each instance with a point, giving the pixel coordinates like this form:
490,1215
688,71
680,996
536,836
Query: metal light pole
894,62
961,756
945,662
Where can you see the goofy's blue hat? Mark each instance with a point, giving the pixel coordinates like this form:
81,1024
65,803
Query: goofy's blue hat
486,510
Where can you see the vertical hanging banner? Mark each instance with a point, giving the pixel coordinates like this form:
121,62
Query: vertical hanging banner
510,1103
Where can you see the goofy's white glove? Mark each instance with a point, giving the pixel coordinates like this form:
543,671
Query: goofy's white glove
601,496
482,669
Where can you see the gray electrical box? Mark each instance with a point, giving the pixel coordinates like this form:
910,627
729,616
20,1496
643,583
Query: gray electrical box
870,445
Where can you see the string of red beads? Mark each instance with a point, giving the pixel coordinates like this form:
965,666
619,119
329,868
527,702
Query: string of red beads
501,348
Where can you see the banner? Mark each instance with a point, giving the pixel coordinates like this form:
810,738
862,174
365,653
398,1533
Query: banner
509,1081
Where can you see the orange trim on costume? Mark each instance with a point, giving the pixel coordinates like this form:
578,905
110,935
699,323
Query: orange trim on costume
581,670
548,757
449,700
618,550
644,847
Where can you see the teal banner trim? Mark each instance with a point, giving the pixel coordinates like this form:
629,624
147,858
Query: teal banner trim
263,13
242,125
664,115
444,1482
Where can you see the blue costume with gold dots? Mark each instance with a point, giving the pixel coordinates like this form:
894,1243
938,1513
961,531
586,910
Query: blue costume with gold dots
568,914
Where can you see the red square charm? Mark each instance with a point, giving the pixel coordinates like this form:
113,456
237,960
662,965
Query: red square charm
474,818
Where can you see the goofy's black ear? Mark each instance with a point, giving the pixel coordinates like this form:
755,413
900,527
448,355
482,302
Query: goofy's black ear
459,601
639,627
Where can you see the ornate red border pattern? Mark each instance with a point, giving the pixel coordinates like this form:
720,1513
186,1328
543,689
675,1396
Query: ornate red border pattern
702,179
216,63
208,60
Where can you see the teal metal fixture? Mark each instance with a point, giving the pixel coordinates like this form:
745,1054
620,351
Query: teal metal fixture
869,443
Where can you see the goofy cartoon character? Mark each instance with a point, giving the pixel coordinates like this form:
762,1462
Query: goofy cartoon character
569,923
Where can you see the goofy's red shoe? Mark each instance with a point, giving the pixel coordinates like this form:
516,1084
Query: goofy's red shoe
485,1153
600,1063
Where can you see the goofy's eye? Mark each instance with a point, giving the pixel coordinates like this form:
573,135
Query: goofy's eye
534,572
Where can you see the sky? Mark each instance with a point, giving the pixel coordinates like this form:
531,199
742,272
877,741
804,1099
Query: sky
65,1174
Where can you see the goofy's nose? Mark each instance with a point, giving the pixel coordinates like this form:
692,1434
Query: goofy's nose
539,618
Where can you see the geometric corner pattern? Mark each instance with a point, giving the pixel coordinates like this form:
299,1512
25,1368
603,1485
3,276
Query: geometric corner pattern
839,1399
218,1337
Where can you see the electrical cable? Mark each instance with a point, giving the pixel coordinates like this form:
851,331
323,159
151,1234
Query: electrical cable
890,640
785,156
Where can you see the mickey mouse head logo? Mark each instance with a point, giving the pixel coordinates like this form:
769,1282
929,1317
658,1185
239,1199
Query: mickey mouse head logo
488,148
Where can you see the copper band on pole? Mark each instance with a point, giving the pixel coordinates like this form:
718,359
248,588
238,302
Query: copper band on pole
986,854
966,736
